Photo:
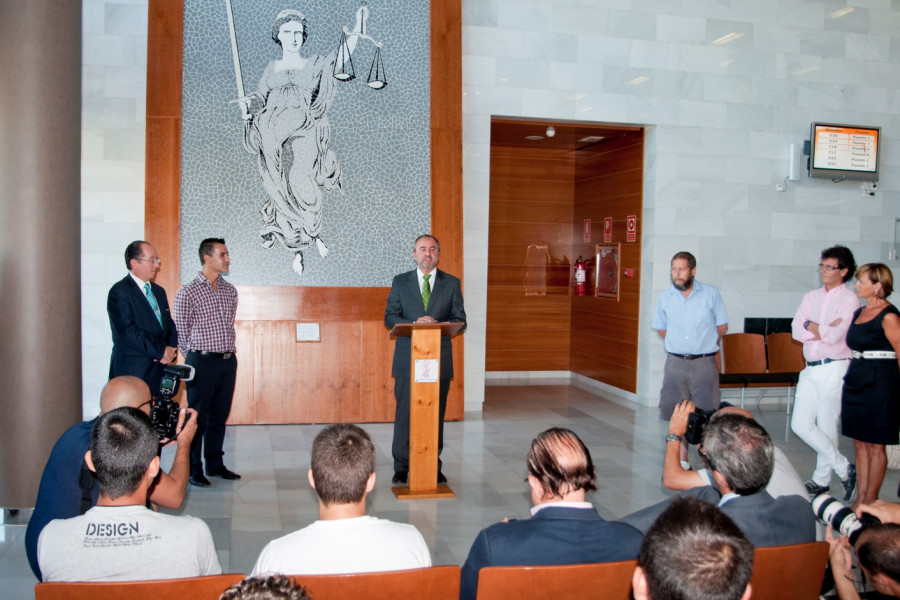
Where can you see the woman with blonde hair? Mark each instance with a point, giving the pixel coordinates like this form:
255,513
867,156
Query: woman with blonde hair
870,407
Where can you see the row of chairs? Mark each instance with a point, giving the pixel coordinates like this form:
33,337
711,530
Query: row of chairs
783,571
751,360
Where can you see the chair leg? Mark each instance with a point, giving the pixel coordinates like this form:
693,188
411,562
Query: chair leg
743,389
790,392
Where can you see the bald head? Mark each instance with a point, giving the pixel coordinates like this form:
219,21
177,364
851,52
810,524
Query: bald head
125,390
734,410
560,461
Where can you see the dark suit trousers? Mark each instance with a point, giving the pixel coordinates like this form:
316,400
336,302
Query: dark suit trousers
210,394
400,446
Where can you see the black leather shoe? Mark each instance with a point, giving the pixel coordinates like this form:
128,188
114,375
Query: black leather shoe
400,477
441,478
224,473
199,481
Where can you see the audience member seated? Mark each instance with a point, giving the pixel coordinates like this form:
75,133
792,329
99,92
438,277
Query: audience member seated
68,488
878,551
740,456
344,539
693,552
273,587
564,528
785,480
120,539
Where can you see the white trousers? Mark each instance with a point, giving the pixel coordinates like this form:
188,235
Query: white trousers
817,412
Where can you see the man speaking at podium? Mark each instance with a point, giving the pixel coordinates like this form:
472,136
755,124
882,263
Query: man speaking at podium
424,295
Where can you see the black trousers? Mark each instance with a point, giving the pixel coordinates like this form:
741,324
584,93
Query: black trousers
400,446
210,394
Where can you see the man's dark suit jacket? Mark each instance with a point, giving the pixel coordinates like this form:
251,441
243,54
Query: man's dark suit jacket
553,536
766,521
138,339
404,305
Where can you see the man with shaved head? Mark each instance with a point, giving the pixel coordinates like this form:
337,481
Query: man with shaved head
68,488
564,528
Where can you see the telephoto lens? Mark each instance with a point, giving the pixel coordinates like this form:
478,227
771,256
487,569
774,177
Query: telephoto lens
830,511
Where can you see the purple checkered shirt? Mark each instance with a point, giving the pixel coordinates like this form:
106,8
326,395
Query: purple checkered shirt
205,318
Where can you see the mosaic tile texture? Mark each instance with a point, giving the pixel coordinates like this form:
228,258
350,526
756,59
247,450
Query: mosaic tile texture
380,137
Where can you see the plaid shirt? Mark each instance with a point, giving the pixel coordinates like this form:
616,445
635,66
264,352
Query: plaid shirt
205,318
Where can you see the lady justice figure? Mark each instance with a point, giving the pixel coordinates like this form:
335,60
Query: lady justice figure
286,127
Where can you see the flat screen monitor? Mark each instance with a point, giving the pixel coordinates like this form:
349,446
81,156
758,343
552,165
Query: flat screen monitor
840,152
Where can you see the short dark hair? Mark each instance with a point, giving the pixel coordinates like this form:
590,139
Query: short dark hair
691,261
343,458
878,550
287,16
271,587
427,235
741,450
694,551
207,247
123,443
878,273
561,462
844,259
134,250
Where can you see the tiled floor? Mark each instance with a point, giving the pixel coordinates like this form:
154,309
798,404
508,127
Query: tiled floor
483,459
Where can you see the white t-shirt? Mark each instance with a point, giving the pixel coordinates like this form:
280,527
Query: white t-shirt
126,543
357,545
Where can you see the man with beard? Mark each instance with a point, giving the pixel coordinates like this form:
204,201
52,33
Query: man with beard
690,317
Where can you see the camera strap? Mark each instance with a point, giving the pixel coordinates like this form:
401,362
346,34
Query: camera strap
86,483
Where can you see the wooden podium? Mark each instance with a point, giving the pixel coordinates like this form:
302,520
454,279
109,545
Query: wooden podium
424,409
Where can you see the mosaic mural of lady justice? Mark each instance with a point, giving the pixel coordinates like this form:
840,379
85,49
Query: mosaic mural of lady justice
340,157
287,129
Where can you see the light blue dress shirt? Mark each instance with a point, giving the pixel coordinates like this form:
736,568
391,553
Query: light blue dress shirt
690,323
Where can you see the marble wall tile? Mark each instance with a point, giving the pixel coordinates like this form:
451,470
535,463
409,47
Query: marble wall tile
773,37
884,20
701,167
856,19
654,55
793,226
866,99
861,205
480,14
837,228
727,88
864,46
120,176
820,95
518,72
753,170
631,24
548,103
730,34
524,16
103,113
604,50
92,18
882,74
108,50
763,250
696,113
576,19
749,116
478,70
800,67
845,71
678,84
751,63
124,19
125,82
683,29
578,77
727,197
704,59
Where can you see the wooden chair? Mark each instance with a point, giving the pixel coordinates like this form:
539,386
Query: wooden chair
793,571
432,583
786,357
208,587
611,581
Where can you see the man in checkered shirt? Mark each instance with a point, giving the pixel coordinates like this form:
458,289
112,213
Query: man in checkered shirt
204,316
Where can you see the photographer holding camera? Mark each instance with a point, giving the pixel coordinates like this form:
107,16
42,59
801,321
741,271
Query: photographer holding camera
785,480
741,458
68,488
874,532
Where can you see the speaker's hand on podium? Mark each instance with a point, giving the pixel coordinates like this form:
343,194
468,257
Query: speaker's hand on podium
426,319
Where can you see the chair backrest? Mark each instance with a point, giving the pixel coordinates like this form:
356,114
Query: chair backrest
785,353
743,353
432,583
799,569
208,587
610,581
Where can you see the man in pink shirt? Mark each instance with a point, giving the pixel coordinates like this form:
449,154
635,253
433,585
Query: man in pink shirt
821,324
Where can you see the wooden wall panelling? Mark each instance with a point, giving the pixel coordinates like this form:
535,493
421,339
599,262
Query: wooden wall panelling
609,183
267,315
531,203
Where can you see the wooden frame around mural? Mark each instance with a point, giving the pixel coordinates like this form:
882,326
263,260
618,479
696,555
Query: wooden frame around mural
607,271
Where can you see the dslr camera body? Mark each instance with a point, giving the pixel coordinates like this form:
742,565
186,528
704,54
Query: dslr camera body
697,421
163,410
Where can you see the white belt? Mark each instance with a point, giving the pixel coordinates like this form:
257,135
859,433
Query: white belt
874,354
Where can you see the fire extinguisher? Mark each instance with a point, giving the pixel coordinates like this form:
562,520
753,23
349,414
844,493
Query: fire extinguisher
580,277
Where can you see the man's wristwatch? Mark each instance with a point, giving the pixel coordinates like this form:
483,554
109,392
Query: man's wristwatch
673,437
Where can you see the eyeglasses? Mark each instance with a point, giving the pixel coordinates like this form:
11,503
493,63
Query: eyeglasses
828,268
152,260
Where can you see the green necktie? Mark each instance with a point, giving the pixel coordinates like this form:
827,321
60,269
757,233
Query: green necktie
426,291
151,298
